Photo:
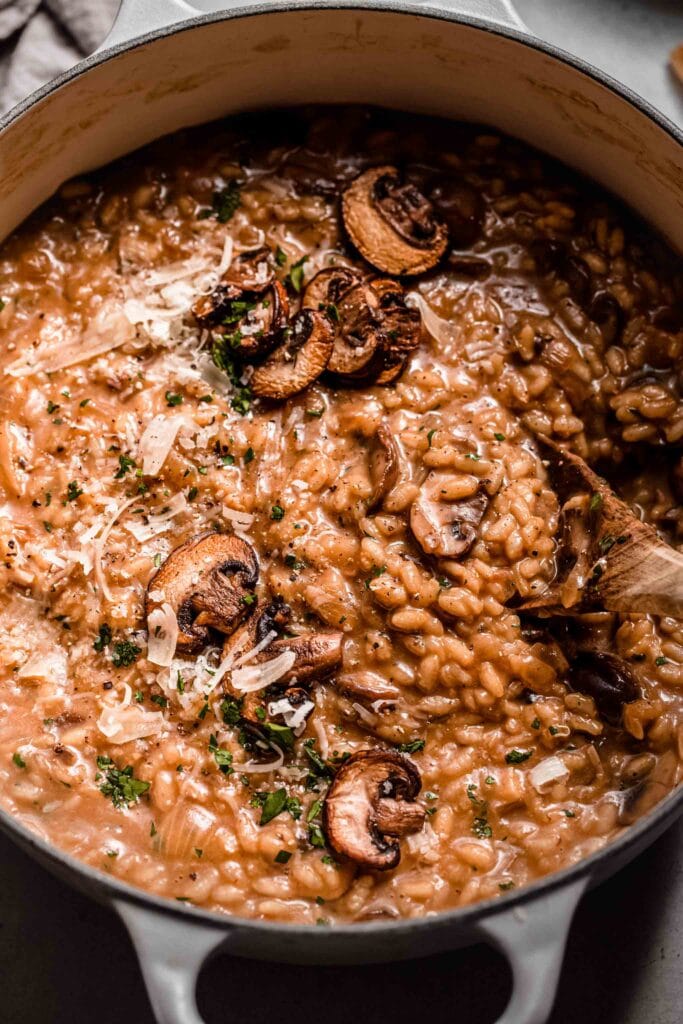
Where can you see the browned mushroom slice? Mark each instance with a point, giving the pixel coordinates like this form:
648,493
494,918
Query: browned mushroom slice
315,654
370,806
607,557
329,286
401,329
249,303
443,528
384,465
297,363
205,582
392,224
607,679
250,272
367,686
647,790
357,333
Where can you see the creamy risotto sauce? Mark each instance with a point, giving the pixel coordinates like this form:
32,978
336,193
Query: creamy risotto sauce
270,550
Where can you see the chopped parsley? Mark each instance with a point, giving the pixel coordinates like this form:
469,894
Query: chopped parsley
275,803
414,747
249,456
315,414
192,493
226,202
160,700
73,491
296,274
124,653
480,825
18,760
139,696
517,756
231,710
52,407
104,638
377,571
222,757
277,512
282,857
596,502
430,435
660,661
172,398
125,465
499,437
280,257
292,562
120,784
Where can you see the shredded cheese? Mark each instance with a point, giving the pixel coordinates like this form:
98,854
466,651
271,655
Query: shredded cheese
157,441
162,627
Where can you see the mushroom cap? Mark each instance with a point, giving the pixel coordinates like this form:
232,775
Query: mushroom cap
358,332
329,286
384,465
607,679
296,364
316,654
370,805
445,529
204,581
248,294
251,271
392,224
261,327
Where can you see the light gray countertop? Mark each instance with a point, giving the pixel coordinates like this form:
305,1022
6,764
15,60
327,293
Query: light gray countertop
65,960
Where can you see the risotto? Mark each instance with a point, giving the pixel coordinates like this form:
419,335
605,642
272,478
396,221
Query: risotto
340,468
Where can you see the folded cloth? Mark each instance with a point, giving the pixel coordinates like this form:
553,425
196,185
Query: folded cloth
40,40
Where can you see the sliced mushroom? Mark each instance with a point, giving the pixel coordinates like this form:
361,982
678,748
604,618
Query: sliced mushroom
442,528
367,686
249,302
358,334
297,363
641,797
206,581
607,558
392,224
316,656
375,332
250,272
384,465
370,806
607,679
329,286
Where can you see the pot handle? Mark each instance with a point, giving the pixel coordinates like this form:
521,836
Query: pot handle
136,18
533,937
171,952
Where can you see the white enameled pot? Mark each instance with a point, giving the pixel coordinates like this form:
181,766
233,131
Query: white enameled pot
168,64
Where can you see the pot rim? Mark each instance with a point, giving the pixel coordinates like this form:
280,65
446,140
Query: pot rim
466,917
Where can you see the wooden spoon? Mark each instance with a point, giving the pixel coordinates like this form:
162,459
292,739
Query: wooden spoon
607,557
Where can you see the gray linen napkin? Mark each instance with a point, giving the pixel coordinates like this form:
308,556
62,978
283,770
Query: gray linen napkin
39,40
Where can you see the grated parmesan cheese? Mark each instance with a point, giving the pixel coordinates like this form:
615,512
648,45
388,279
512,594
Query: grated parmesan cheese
162,628
157,441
